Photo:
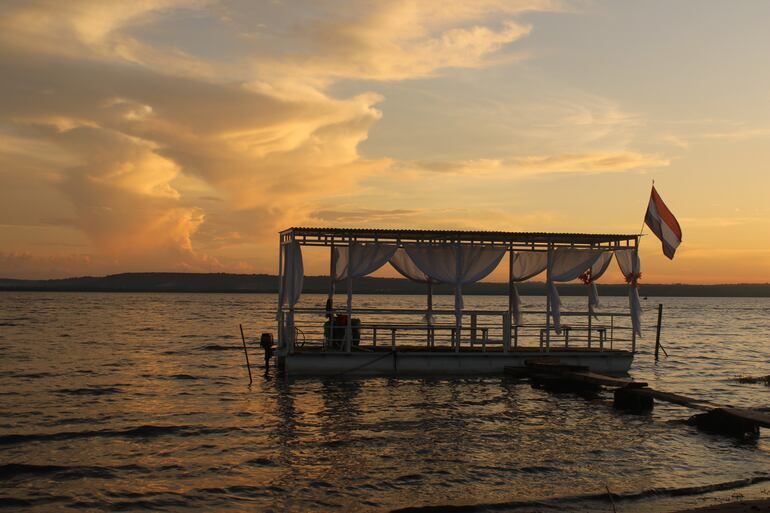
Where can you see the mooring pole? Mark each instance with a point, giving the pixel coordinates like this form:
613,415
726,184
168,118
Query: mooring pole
657,331
248,365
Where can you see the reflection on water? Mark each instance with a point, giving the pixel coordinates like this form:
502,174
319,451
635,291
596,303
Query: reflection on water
140,401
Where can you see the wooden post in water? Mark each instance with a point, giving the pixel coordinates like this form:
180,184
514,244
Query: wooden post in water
657,331
248,365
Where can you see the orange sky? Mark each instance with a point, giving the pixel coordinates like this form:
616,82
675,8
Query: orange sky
181,135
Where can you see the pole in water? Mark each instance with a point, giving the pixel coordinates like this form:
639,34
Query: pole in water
248,365
657,332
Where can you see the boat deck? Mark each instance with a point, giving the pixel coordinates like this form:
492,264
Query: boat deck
419,360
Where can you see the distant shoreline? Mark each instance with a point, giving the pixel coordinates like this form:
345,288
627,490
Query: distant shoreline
263,283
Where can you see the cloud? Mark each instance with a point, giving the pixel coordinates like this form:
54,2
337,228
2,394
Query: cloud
456,167
401,39
124,135
528,166
164,152
364,215
599,162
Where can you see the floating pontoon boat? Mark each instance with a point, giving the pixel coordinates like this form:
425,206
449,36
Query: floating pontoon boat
348,340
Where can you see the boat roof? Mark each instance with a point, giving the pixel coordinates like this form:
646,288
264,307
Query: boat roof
319,236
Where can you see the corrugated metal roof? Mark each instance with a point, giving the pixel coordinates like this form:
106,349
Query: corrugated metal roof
482,234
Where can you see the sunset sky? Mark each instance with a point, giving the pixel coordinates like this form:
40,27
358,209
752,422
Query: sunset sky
182,135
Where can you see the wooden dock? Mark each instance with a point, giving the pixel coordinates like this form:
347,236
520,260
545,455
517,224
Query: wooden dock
638,397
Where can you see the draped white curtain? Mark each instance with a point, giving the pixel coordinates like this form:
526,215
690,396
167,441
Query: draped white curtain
359,260
354,261
567,265
526,265
630,266
457,265
293,276
596,272
404,265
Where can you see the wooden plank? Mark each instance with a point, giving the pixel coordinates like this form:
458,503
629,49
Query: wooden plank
757,417
676,399
604,380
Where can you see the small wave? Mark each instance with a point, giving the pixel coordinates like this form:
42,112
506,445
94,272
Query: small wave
90,391
33,375
537,469
148,431
218,347
183,376
260,462
13,470
600,497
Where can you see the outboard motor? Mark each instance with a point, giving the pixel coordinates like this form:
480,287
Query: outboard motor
266,341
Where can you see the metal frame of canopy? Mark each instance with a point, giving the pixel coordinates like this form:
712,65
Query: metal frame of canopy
511,241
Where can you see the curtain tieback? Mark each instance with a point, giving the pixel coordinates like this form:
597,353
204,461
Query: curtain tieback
633,279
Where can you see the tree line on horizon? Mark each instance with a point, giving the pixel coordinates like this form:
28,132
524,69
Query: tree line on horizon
264,283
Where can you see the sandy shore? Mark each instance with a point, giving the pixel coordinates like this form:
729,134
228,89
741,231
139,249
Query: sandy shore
757,506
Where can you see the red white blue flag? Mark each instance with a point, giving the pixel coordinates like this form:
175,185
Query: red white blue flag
663,224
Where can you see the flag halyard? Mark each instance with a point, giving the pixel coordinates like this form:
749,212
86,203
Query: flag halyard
663,224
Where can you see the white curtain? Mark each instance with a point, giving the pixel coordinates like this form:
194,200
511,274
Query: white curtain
567,265
404,265
354,261
526,265
458,265
293,276
631,267
596,272
366,258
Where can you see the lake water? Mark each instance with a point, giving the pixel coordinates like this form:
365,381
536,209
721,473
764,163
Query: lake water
141,402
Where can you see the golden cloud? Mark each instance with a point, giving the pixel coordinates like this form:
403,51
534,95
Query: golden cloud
599,162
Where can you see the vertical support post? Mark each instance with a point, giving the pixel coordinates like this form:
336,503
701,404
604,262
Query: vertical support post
589,318
511,257
657,330
549,265
281,331
330,342
506,331
332,283
474,323
633,292
289,292
429,314
458,295
349,327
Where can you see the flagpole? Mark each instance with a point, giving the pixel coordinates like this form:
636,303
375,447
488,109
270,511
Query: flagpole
641,230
